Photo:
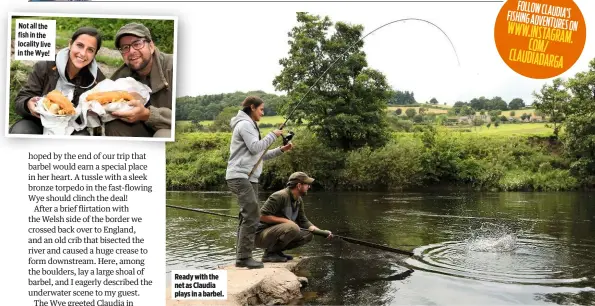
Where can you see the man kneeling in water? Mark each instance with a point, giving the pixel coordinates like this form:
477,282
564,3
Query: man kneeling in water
282,216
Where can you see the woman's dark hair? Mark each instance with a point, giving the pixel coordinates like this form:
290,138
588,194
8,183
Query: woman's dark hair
88,31
249,101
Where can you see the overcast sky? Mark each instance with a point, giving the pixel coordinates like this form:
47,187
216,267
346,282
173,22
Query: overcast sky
242,48
227,47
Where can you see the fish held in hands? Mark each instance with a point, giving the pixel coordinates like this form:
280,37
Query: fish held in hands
58,104
106,97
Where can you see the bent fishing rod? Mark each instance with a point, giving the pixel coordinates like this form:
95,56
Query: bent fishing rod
285,141
315,232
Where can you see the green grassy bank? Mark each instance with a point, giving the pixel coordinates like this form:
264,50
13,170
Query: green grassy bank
484,161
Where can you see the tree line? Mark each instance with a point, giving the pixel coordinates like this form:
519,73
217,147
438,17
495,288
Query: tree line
208,107
398,97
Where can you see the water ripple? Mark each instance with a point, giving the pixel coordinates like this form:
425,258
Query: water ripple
493,254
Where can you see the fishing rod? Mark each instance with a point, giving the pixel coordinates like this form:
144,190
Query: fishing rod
334,62
315,232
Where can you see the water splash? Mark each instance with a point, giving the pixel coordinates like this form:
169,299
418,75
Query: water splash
491,237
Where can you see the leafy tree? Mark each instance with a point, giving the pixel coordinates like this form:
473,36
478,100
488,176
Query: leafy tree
346,107
496,103
482,112
580,123
434,101
477,121
441,119
418,118
479,103
582,87
553,100
402,98
512,113
467,111
410,112
399,111
494,113
221,122
516,103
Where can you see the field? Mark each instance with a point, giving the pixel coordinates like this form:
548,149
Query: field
525,129
519,112
428,111
274,120
444,109
517,129
277,120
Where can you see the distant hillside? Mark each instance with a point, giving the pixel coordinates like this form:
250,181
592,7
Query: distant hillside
207,107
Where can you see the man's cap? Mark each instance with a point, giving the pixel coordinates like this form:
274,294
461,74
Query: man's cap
135,29
300,177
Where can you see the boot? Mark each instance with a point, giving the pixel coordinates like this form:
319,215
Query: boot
249,263
289,257
273,257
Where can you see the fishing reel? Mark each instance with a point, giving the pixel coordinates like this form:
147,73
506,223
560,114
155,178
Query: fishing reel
287,139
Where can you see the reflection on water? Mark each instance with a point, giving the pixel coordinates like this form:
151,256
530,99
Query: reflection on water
470,248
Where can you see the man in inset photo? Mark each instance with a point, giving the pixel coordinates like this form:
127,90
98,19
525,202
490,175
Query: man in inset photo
145,63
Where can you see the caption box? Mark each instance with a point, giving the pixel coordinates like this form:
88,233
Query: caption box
35,40
199,284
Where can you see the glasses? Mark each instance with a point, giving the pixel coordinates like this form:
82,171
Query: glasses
136,45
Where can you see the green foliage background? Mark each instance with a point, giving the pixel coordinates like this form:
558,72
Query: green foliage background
429,156
162,31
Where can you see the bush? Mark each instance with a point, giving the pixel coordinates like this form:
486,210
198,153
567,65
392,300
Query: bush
197,161
19,73
397,165
554,180
424,156
310,155
399,125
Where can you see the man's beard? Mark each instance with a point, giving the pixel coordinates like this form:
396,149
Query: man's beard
143,64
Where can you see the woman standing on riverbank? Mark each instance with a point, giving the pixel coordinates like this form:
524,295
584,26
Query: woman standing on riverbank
245,150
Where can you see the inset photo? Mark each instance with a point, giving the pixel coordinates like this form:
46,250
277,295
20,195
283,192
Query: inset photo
91,75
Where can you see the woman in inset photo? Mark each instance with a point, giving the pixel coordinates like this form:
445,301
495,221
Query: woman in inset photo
73,72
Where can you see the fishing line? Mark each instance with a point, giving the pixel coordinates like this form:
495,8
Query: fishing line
339,57
315,232
352,45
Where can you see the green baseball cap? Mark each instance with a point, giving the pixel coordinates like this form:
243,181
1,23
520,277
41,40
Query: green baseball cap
135,29
300,177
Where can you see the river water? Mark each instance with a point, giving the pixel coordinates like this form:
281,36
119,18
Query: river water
470,248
